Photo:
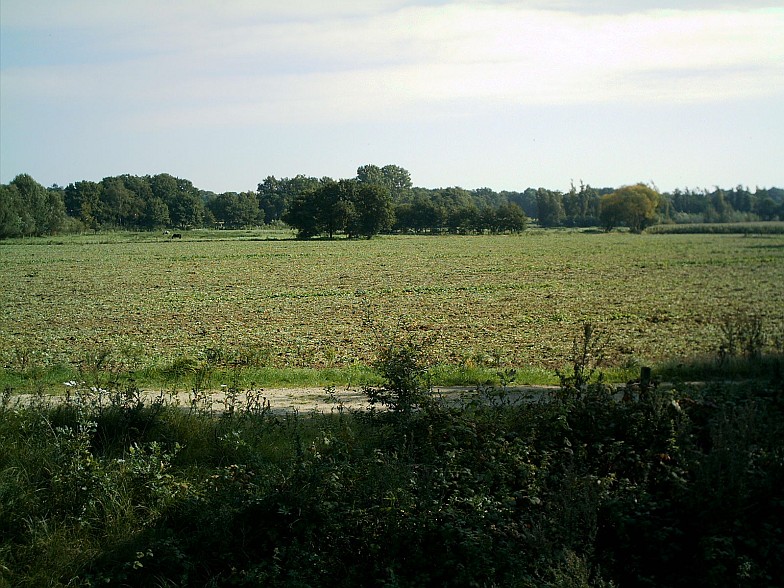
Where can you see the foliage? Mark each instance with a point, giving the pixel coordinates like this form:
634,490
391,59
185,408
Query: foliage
550,208
394,178
676,488
633,206
751,228
371,211
163,201
29,209
235,211
585,360
275,195
404,368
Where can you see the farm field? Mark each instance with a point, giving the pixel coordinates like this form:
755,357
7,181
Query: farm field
514,301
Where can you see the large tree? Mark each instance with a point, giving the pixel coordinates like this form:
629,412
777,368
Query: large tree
509,217
12,224
120,206
272,198
634,206
236,211
83,202
335,205
393,177
371,211
156,214
550,209
27,208
303,215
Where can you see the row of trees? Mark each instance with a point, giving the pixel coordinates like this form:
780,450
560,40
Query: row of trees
27,208
378,199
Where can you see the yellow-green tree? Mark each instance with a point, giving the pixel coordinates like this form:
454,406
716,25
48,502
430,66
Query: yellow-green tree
634,206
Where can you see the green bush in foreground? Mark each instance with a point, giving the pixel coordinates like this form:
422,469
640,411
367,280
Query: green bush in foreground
679,488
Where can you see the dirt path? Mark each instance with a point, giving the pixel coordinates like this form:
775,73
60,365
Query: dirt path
282,400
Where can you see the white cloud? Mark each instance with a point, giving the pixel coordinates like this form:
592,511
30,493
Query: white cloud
252,63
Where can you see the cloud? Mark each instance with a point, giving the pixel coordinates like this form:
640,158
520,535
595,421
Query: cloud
155,65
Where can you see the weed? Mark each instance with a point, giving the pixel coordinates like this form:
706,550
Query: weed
586,358
403,366
740,334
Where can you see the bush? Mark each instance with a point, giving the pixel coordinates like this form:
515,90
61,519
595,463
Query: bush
678,488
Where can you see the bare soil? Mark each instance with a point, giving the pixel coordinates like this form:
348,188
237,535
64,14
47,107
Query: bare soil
286,400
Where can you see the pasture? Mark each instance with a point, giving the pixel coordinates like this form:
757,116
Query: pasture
479,301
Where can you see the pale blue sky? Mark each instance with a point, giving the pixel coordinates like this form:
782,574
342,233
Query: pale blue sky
503,94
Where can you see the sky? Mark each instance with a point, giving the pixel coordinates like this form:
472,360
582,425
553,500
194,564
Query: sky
476,93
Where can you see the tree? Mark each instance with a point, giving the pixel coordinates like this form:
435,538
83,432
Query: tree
767,209
427,213
272,198
335,205
120,206
11,221
510,217
550,210
39,211
393,177
54,212
371,174
525,200
83,202
276,196
634,206
398,181
27,208
463,219
156,214
371,211
236,210
302,215
719,209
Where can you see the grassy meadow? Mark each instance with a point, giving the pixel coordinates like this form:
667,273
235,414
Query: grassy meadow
146,304
675,486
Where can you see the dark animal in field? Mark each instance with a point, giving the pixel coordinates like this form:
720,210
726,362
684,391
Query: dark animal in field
177,236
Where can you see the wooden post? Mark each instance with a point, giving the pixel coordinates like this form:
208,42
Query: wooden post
645,378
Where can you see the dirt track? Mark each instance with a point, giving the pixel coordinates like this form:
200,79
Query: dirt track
282,400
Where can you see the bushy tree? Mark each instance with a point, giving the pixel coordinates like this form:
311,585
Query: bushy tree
634,206
236,210
186,209
335,205
120,206
550,209
767,209
156,214
303,215
464,219
272,198
83,202
11,221
27,208
371,211
510,217
347,205
393,177
275,196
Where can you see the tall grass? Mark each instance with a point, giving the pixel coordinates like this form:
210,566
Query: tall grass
575,488
742,228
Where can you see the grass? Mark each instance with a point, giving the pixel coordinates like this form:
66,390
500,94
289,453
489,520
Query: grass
677,488
294,313
744,228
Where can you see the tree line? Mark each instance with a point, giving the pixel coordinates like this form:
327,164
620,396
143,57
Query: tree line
377,200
